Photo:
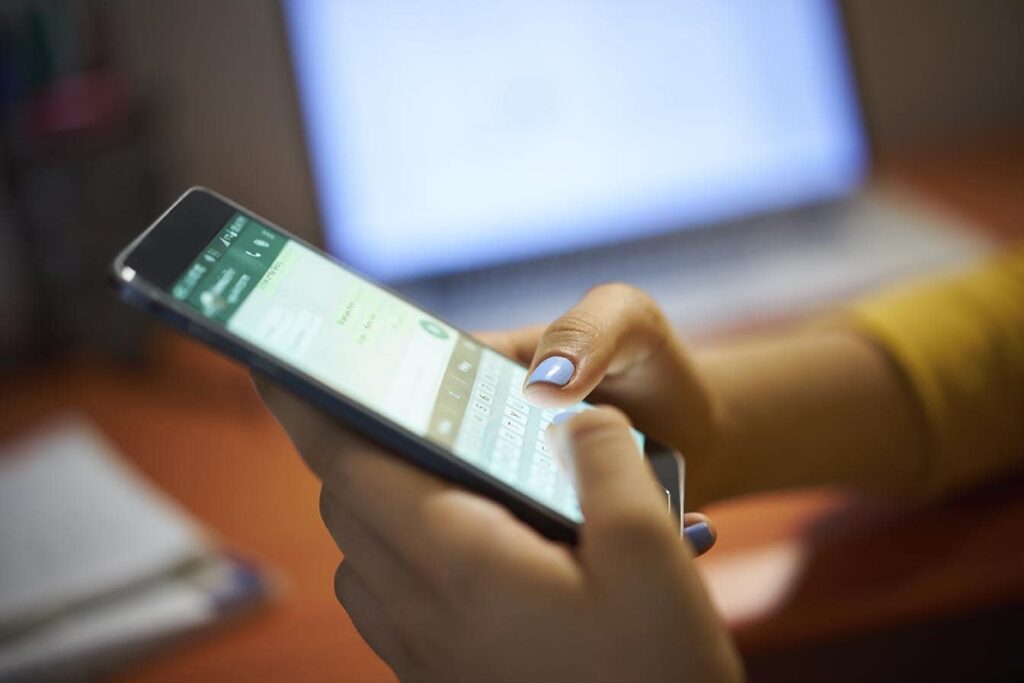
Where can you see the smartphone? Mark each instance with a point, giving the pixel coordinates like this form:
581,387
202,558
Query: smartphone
397,374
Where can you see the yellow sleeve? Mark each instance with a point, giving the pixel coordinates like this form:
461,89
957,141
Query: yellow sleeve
960,344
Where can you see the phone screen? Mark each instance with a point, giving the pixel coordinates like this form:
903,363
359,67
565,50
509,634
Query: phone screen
379,350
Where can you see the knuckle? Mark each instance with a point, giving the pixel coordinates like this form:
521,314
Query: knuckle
574,328
316,447
333,467
343,584
625,295
635,302
325,503
264,388
617,290
329,504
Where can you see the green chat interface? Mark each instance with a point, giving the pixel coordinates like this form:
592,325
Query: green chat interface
380,351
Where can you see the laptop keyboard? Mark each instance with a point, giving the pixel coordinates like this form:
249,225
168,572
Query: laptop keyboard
756,268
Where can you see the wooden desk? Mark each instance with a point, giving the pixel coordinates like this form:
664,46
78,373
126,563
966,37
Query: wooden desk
192,423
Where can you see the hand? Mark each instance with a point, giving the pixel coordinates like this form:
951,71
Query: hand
617,343
446,585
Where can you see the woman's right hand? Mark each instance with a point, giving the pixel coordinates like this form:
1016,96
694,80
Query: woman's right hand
617,343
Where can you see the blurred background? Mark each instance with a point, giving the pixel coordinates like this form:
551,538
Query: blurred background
747,163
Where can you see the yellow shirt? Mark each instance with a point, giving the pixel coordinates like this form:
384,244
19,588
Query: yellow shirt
960,342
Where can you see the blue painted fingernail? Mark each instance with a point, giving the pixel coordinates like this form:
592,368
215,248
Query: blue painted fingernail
562,417
700,536
556,370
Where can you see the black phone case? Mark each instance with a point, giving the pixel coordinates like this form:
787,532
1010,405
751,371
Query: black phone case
394,438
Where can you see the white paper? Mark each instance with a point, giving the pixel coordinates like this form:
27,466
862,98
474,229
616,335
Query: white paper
76,523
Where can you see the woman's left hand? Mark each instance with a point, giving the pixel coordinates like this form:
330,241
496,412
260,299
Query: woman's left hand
446,585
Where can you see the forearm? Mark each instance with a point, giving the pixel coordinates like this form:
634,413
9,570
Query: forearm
808,408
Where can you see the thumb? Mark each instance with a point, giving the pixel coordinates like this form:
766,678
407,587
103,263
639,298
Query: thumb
626,516
613,328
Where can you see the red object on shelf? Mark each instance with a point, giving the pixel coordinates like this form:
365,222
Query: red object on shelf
91,101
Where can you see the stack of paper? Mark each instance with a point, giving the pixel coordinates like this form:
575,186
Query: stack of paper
96,565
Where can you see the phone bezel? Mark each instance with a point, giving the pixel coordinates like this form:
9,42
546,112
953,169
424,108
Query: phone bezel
144,271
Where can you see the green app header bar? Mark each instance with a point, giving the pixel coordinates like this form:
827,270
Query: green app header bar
228,269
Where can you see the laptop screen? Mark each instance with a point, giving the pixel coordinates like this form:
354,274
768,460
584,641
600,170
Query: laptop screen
452,134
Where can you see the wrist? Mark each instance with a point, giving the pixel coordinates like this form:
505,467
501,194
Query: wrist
713,472
707,457
707,467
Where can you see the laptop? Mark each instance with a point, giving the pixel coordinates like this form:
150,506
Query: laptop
494,160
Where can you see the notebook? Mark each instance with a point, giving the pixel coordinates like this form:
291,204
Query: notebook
96,564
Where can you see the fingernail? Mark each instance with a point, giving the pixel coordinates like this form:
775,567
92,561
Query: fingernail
556,370
559,418
700,536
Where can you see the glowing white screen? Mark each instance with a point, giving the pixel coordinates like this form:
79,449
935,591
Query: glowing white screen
453,133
